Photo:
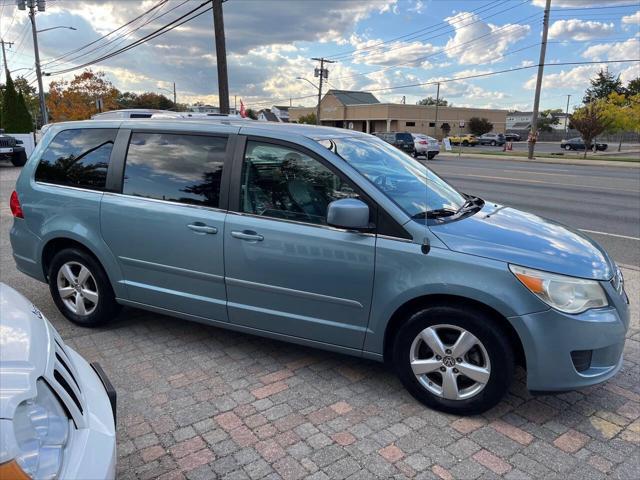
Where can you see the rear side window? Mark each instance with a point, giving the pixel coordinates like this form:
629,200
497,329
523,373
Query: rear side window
175,167
78,158
404,137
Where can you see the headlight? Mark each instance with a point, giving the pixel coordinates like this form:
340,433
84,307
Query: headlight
41,428
567,294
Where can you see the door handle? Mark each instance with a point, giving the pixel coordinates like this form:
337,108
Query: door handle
248,235
200,227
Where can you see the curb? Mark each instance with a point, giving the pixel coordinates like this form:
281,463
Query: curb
587,163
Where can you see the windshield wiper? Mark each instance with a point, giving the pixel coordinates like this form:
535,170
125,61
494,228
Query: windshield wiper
437,213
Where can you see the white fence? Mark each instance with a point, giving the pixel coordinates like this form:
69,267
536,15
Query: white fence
27,139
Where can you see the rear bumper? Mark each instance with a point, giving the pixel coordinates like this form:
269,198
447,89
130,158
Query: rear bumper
91,453
550,337
25,246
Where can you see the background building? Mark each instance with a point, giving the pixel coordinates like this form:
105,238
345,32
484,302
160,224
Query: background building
362,111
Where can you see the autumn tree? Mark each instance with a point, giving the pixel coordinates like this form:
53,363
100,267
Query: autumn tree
622,113
590,120
76,100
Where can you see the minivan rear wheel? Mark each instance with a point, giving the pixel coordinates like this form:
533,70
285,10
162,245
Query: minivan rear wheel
81,289
454,360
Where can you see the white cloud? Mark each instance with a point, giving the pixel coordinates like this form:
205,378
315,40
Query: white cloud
576,78
575,29
627,50
633,19
468,27
582,3
527,63
407,53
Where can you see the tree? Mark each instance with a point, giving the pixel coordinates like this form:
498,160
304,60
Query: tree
76,100
30,95
144,100
547,119
251,113
479,126
10,114
622,114
309,118
24,121
602,86
590,120
633,87
432,101
446,128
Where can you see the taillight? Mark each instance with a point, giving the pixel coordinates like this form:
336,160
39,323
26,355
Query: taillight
423,142
14,204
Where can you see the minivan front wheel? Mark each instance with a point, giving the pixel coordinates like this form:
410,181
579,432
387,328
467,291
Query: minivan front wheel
80,288
454,360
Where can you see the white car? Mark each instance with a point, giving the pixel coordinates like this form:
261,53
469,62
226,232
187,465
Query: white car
57,412
425,145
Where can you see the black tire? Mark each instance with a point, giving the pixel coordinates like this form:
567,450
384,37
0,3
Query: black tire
568,147
465,143
431,156
106,308
478,323
19,159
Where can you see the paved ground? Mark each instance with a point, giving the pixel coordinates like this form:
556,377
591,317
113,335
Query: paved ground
554,147
602,201
199,402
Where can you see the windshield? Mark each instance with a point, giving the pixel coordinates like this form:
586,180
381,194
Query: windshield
407,182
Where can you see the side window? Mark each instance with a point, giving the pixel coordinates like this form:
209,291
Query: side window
280,182
77,158
175,167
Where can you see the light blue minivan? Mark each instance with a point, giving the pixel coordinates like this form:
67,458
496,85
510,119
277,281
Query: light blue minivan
323,237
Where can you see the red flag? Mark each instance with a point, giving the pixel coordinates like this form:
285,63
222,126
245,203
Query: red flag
243,112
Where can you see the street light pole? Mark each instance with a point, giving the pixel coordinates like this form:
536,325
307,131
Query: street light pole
4,55
435,126
566,119
34,30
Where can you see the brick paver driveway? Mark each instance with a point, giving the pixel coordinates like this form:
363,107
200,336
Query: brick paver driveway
200,402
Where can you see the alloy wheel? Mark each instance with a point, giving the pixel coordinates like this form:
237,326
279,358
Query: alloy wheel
77,288
450,362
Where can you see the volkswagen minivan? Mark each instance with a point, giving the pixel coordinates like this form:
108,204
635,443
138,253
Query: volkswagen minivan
324,237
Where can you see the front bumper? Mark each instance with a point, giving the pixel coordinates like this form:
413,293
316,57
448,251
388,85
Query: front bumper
549,337
91,452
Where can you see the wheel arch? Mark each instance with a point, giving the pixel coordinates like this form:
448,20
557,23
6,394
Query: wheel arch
57,243
425,301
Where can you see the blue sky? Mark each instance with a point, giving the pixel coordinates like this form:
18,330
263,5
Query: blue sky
378,44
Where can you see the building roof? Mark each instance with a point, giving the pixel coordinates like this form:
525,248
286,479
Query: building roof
520,113
352,97
282,108
269,115
522,125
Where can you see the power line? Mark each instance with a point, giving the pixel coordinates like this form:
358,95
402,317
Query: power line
631,5
450,28
439,52
161,31
107,34
348,53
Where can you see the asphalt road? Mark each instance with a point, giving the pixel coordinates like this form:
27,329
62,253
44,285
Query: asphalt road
604,202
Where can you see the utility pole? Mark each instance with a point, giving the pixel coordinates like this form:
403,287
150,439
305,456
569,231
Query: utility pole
322,73
221,56
435,124
40,5
566,119
536,102
175,98
4,55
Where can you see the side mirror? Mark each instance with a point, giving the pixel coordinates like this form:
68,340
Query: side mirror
349,213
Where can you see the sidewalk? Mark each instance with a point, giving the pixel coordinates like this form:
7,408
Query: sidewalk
560,161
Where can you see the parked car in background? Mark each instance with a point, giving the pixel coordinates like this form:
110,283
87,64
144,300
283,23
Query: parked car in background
325,237
465,140
56,411
425,146
492,139
401,140
512,137
12,150
577,143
